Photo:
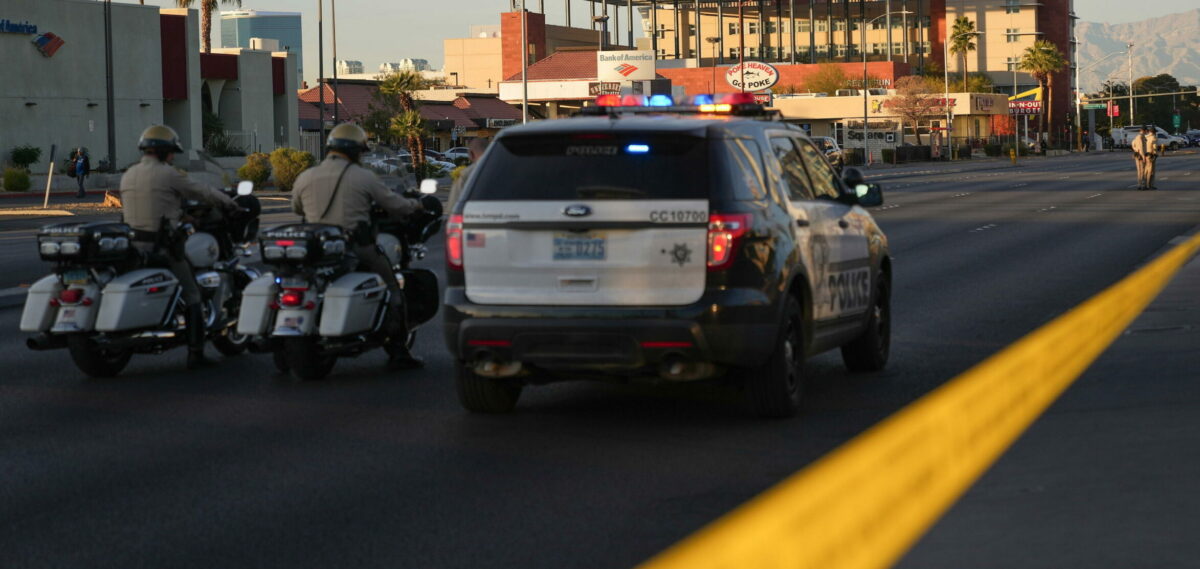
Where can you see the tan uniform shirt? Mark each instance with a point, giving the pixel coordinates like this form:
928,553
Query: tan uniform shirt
1145,144
152,190
360,188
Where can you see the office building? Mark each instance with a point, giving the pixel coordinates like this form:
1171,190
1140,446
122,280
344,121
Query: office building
239,26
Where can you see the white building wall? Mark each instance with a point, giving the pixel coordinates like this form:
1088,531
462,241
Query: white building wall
68,90
287,111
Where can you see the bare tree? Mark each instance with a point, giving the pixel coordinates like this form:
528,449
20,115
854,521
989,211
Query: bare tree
915,101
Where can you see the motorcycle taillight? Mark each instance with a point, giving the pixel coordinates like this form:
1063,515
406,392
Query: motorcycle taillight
291,298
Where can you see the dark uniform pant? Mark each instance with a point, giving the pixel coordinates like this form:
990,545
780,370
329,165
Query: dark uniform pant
372,259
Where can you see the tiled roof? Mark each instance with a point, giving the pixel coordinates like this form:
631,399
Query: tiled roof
488,107
355,101
562,65
446,111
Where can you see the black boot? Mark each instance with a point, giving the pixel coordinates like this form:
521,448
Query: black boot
399,356
195,338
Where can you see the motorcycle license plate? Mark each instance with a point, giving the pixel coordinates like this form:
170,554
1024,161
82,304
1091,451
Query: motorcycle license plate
76,277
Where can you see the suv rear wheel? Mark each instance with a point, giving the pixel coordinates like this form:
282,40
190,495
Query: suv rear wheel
482,394
869,352
775,388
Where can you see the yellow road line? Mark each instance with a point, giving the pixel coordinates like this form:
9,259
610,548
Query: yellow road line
864,505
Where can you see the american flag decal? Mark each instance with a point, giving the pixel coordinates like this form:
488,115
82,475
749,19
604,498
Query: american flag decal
476,240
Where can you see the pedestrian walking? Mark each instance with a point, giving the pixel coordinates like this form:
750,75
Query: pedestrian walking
81,167
1145,155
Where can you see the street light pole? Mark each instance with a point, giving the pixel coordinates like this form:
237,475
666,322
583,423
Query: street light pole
524,66
1130,46
862,47
321,70
108,76
713,42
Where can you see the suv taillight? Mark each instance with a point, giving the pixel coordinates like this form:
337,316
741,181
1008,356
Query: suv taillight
725,232
454,243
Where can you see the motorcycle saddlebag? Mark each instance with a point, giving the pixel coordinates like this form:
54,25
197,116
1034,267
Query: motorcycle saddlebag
255,315
420,295
137,299
352,305
39,314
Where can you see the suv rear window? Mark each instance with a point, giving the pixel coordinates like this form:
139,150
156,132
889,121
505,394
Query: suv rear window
594,166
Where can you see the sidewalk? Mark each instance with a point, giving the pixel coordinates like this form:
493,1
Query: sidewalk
1110,475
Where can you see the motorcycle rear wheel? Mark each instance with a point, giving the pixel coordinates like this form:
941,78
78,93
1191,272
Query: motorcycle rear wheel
93,360
304,359
230,343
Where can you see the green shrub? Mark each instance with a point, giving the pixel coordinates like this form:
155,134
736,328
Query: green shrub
287,164
222,145
1022,150
16,180
24,156
993,150
256,169
889,155
964,152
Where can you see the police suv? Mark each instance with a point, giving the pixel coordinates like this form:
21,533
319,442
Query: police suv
680,243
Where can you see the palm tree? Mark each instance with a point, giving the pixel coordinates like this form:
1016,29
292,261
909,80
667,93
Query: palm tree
409,125
400,87
1043,60
962,41
206,11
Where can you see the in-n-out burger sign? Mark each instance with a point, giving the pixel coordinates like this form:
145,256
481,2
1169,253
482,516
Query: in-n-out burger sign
752,76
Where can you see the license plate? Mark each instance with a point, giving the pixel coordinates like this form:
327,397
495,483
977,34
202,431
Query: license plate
580,247
75,277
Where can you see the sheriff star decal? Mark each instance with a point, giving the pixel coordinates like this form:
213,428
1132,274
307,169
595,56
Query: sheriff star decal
681,254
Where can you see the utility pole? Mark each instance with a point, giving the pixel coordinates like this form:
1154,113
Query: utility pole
321,69
108,78
742,45
524,66
336,100
1130,46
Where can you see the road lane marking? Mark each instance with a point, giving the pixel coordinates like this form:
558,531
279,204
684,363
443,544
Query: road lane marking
1093,196
962,194
1021,185
984,228
1045,209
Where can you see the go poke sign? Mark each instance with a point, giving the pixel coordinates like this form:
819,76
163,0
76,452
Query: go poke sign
752,76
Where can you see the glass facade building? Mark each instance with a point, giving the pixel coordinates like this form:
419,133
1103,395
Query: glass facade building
238,26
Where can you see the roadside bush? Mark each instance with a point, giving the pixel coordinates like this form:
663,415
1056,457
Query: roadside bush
287,164
25,156
993,150
889,155
964,152
16,180
222,145
257,169
1022,150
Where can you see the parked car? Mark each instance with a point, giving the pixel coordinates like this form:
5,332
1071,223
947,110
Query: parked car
457,152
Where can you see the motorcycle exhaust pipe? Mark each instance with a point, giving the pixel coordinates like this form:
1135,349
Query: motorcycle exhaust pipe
487,365
45,342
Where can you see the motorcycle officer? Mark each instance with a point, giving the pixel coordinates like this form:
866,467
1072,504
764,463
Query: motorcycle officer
339,191
152,195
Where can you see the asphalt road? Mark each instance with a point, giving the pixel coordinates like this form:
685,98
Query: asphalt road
236,466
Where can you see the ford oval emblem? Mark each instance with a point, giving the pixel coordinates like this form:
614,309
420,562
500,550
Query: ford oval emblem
577,210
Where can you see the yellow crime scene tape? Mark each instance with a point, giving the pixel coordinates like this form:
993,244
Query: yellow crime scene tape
866,503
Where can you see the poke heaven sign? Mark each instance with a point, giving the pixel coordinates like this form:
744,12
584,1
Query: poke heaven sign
752,76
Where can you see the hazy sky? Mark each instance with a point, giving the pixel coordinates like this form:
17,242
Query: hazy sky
374,31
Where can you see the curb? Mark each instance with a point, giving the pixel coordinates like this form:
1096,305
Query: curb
5,195
10,297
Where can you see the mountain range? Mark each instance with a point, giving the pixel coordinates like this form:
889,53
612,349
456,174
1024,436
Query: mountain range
1170,44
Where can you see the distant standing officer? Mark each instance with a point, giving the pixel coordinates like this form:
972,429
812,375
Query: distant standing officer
1145,154
339,191
475,150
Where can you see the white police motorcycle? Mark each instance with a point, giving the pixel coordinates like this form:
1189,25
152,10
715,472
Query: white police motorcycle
105,301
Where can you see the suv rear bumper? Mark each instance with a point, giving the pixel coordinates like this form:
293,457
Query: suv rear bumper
734,327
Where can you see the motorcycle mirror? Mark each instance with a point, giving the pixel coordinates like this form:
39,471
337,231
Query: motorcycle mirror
429,186
245,188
